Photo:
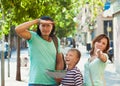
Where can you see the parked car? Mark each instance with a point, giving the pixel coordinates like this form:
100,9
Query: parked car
88,47
71,42
6,47
111,52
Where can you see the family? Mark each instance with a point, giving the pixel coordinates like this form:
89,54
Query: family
43,56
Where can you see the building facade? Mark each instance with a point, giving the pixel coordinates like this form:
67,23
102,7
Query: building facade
116,32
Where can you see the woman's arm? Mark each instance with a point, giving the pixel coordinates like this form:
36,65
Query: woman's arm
22,29
101,56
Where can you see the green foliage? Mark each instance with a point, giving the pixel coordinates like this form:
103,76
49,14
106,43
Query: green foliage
62,11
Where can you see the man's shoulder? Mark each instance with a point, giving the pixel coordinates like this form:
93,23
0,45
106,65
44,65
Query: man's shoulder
55,38
32,32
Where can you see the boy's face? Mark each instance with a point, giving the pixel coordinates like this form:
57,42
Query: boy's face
71,58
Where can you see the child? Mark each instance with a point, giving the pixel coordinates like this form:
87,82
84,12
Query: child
73,76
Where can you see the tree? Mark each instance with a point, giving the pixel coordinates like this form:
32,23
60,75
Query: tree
18,72
61,11
92,9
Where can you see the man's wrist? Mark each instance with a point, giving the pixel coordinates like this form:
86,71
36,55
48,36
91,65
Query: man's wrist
38,21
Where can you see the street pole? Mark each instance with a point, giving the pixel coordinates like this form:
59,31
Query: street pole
9,50
9,47
2,64
2,53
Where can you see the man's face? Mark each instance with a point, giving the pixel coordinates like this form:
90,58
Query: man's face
46,28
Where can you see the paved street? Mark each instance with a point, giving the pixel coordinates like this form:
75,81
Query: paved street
112,78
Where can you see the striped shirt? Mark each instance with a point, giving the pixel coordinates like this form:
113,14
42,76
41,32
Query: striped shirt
73,78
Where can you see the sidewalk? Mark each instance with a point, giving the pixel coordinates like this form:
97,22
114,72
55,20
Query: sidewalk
111,77
11,81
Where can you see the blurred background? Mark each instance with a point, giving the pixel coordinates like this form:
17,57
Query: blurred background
77,23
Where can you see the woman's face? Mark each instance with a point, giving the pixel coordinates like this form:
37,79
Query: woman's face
46,28
101,44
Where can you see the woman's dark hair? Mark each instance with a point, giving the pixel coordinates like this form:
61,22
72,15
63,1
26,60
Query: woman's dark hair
98,38
53,30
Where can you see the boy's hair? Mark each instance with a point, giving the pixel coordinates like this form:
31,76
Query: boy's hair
78,53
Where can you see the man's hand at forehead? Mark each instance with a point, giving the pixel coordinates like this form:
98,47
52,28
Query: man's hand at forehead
45,21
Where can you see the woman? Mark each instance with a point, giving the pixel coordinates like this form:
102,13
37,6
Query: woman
95,66
42,50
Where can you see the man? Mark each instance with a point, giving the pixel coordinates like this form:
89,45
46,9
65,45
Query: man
42,50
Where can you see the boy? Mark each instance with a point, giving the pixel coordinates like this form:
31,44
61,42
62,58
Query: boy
73,76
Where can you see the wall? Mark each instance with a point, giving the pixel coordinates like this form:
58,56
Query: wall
116,26
116,31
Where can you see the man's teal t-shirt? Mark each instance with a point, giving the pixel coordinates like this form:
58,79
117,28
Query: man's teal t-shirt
42,57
